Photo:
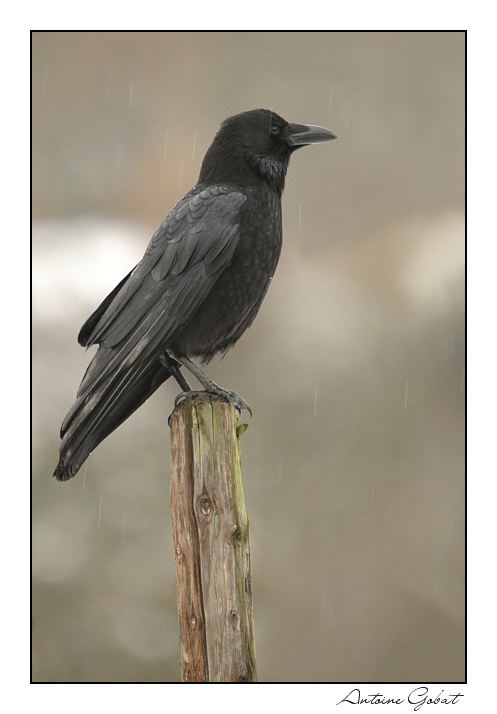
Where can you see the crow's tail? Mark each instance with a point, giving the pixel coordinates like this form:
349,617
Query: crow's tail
101,409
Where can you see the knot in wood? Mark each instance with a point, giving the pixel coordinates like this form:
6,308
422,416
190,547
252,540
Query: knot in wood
205,505
248,584
234,618
237,534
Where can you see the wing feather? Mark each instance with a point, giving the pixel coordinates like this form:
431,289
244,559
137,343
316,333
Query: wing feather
140,318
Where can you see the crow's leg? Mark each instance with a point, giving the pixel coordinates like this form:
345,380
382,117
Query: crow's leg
172,365
206,382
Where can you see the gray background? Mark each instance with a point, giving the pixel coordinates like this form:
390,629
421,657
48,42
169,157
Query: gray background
354,459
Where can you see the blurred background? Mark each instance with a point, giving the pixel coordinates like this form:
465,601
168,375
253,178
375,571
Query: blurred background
354,459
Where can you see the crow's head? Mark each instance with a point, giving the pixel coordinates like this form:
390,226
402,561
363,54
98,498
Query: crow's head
254,145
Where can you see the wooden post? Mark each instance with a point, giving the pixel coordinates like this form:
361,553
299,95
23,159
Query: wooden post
211,543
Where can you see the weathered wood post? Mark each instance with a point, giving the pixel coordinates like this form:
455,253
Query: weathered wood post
211,543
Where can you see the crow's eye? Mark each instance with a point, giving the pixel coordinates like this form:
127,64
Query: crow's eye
275,130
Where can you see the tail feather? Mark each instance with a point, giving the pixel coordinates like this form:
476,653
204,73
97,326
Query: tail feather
95,416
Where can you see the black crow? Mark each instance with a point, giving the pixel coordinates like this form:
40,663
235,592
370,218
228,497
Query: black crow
198,287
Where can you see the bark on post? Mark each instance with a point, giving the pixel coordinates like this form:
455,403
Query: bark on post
211,543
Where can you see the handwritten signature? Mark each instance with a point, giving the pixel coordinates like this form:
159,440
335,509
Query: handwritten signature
417,698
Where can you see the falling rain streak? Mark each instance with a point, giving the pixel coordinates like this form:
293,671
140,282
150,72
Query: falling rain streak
165,144
406,394
315,403
300,214
130,95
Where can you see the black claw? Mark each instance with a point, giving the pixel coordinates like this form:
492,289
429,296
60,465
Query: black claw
238,402
188,394
232,397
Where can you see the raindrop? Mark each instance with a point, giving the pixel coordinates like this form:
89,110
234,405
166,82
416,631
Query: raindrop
165,145
315,403
99,512
300,214
130,95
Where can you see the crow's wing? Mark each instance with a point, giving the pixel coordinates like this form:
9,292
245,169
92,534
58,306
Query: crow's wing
143,314
185,257
197,239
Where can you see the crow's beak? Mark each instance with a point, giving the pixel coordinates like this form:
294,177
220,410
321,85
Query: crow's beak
304,134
